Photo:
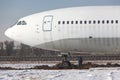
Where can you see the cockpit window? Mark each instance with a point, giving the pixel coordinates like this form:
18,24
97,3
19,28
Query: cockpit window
22,23
19,23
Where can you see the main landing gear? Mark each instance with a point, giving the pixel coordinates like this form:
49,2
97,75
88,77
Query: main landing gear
66,64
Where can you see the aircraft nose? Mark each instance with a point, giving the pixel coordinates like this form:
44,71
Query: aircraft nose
9,33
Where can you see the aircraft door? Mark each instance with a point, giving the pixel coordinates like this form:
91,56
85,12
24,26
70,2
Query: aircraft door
47,23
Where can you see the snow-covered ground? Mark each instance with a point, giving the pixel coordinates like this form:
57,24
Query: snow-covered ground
24,65
91,74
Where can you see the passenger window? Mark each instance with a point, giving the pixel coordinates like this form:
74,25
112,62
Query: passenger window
98,21
107,21
80,22
59,22
103,21
72,22
85,22
112,21
76,22
116,21
63,22
94,22
67,22
89,22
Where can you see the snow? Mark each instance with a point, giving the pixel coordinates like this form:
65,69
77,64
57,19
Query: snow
71,74
23,65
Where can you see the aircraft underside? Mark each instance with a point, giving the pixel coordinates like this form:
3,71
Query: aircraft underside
83,45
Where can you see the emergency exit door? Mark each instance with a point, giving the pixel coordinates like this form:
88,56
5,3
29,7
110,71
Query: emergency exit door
47,23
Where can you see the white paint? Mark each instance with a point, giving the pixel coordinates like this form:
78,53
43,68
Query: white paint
42,31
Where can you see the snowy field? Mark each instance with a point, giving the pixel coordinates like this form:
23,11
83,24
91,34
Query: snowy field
91,74
24,65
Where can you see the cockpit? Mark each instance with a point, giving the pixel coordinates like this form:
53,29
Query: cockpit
22,23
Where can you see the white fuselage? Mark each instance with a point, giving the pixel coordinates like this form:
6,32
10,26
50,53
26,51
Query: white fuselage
80,29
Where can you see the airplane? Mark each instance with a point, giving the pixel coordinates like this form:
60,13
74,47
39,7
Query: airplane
75,29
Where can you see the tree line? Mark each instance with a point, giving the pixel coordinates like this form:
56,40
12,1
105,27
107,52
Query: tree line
8,48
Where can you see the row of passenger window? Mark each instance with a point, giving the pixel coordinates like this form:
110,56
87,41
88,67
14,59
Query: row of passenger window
90,22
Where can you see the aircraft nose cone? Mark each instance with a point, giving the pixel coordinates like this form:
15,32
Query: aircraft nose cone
9,33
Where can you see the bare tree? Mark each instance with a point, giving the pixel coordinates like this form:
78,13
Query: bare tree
26,50
9,46
1,48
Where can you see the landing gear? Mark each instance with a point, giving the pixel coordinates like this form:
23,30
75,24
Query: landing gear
65,64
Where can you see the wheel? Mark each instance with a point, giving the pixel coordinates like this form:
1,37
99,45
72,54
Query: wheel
66,64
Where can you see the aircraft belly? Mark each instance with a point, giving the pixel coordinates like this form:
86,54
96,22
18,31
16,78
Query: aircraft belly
83,45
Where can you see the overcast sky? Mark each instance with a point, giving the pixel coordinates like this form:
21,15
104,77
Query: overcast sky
12,10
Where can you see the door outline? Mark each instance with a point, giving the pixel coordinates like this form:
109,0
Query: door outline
49,22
